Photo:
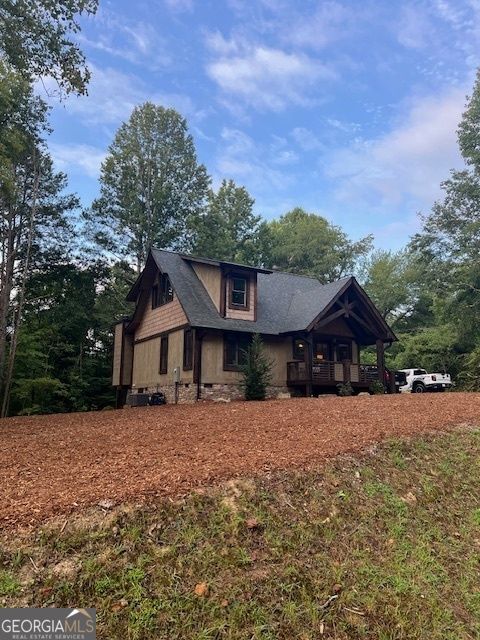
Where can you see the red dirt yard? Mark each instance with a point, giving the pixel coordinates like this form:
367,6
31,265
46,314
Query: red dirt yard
61,463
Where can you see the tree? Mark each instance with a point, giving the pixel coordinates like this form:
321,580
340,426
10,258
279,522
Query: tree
387,282
446,259
256,370
228,230
308,244
33,210
151,186
36,39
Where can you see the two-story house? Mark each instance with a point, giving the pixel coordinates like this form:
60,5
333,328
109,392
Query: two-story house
194,317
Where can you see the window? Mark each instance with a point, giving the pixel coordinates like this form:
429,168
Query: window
164,354
162,292
299,349
238,292
187,349
321,351
419,372
234,351
344,351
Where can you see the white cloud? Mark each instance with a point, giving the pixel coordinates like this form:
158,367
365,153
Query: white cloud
415,30
244,160
306,139
330,22
179,5
82,158
136,41
264,77
112,95
404,167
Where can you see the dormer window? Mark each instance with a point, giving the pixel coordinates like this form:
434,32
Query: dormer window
162,292
239,292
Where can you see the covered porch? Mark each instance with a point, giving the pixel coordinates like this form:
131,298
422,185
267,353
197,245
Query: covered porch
327,354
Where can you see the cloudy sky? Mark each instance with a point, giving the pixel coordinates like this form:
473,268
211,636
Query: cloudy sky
348,109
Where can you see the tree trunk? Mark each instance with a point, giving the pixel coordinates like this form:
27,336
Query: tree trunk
21,294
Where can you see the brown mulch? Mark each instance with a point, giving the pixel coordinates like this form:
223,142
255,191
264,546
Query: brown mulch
61,463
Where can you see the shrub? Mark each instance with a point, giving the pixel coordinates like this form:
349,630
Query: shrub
376,388
256,370
345,389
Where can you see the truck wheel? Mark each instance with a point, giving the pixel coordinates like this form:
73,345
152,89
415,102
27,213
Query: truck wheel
419,388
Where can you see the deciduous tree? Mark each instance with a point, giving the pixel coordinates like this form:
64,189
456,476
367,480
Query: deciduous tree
151,186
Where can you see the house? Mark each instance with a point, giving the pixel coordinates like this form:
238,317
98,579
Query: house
194,317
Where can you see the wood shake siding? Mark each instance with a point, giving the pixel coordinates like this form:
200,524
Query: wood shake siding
164,318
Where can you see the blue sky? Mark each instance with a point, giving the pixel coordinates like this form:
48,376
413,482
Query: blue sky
348,109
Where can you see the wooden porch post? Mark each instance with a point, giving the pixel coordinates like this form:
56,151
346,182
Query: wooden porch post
309,364
381,361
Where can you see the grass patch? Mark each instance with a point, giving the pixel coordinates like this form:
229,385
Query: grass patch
395,537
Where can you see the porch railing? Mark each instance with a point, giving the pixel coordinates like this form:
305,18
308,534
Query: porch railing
329,371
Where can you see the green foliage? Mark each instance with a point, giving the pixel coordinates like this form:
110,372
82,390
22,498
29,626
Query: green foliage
308,244
39,395
345,390
469,376
432,348
151,186
228,230
256,371
37,39
387,283
376,388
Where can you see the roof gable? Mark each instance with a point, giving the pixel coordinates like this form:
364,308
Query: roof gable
286,302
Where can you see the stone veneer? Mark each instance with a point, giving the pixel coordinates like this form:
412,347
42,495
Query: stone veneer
187,393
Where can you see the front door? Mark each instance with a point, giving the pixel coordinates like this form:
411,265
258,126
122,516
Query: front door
344,355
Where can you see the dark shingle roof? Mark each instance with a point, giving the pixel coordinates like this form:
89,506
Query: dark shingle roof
285,302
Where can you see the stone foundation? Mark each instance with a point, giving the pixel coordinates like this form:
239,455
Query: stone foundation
228,392
187,392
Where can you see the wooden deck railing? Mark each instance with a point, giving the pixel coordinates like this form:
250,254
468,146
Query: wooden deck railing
329,371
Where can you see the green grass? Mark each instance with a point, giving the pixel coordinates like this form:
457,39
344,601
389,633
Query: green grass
395,535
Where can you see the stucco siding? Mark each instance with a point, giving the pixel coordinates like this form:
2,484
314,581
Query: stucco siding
146,362
278,350
117,353
211,278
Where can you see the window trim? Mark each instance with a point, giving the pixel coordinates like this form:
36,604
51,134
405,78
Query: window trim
188,349
239,276
163,365
160,291
227,366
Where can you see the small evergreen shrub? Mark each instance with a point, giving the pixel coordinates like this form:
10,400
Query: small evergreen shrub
256,370
345,389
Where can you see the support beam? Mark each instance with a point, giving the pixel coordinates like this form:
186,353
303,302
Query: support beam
381,361
308,364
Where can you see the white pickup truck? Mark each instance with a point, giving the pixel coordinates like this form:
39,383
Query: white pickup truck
419,381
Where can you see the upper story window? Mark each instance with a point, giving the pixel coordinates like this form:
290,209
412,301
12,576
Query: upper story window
239,292
162,292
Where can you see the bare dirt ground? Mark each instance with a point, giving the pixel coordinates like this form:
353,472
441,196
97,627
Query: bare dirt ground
57,464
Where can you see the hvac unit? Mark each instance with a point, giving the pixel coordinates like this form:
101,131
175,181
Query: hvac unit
138,399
